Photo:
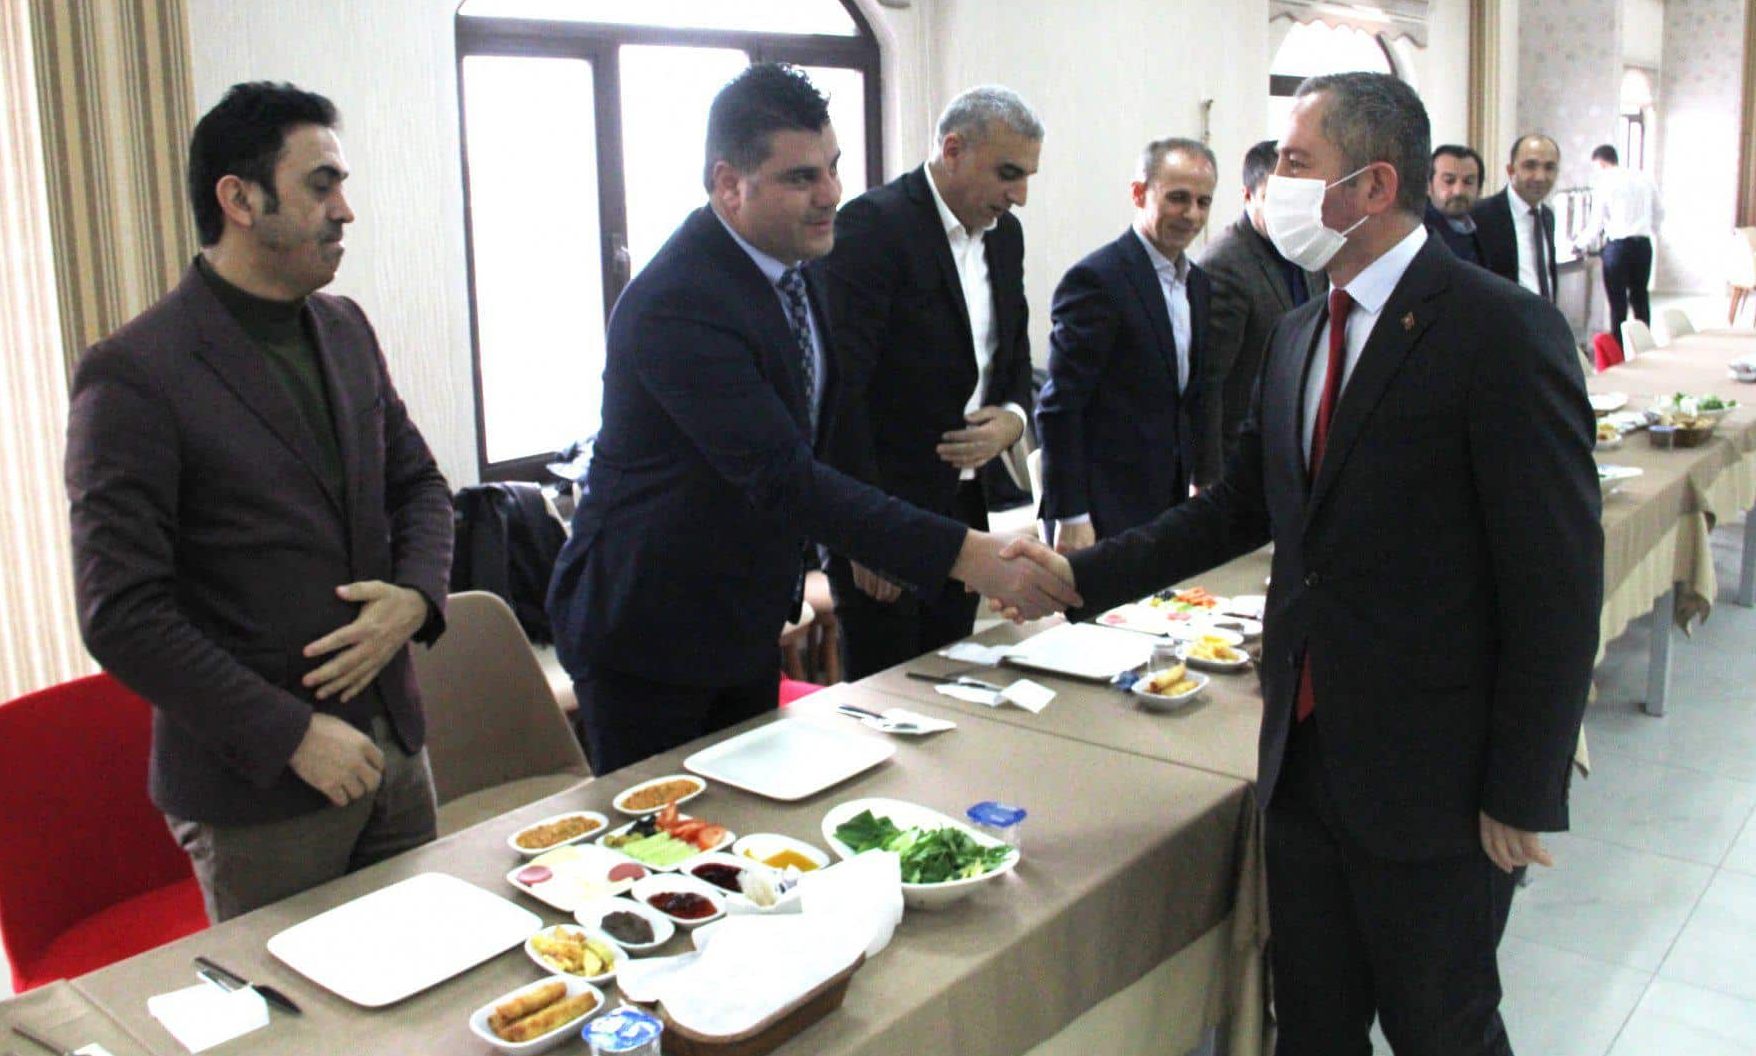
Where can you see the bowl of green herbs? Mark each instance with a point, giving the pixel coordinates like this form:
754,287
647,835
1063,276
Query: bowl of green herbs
943,859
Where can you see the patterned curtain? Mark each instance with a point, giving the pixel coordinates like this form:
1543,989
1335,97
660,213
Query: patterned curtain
39,638
116,98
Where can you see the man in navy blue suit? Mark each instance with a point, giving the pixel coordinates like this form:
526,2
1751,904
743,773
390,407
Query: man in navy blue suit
687,550
1121,416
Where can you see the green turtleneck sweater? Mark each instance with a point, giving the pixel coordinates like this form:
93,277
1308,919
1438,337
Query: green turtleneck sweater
278,329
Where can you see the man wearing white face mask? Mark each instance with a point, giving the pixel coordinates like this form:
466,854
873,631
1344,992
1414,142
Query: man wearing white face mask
1420,453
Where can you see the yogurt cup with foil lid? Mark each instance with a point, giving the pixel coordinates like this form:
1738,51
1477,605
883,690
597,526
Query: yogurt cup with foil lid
624,1031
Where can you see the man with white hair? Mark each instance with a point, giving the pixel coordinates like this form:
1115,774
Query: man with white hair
926,291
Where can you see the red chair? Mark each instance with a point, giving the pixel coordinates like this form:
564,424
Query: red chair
89,873
792,689
1606,351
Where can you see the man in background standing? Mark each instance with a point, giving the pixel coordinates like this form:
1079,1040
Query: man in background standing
1516,230
1122,417
926,290
1253,286
1452,191
1625,213
259,529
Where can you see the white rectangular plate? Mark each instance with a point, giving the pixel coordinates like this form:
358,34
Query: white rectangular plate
1082,650
789,759
399,940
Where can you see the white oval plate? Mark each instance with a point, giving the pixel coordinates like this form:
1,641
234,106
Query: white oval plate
907,815
580,875
1160,702
592,916
1603,403
532,852
1239,664
621,800
478,1020
725,841
615,948
662,882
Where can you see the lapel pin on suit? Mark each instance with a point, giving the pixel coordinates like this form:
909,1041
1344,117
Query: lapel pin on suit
1408,322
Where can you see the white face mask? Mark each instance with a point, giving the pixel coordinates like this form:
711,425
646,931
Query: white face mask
1292,209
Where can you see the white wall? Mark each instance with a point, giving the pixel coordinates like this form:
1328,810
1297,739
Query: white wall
1643,32
1700,93
1107,77
390,67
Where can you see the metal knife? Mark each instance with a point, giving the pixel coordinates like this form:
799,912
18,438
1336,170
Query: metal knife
226,979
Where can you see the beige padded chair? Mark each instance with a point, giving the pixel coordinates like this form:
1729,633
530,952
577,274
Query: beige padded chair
1636,339
1677,323
496,736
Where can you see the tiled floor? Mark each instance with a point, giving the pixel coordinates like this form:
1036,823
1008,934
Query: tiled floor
1642,942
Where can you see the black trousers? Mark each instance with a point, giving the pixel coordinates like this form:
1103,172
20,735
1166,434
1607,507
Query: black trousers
876,635
1627,270
1354,936
624,718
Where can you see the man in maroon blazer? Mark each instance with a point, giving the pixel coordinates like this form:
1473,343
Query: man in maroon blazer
259,529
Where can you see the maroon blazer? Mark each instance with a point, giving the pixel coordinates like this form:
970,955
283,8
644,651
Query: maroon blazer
207,547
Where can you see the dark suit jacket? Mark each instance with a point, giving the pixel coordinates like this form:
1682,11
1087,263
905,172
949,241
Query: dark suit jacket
1249,296
1466,246
1445,568
703,488
1499,242
1119,442
207,548
902,334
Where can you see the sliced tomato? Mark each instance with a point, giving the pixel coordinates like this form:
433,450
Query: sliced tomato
709,836
668,816
686,830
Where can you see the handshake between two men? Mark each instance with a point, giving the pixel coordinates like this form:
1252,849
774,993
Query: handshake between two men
1023,579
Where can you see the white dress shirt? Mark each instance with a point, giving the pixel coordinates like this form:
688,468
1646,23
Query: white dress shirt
772,270
1173,280
969,255
1370,289
1624,205
1523,230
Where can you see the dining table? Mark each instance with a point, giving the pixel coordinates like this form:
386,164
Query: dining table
1132,866
1135,921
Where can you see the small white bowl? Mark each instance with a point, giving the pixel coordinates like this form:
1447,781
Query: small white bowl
478,1020
615,948
532,852
1243,626
1160,702
592,916
621,800
736,901
1195,629
761,846
659,883
1185,651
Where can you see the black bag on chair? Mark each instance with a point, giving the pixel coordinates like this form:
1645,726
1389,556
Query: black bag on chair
507,542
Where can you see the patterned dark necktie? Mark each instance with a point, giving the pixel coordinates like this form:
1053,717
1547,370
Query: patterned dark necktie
792,284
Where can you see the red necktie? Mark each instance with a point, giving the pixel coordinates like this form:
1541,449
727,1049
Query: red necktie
1339,306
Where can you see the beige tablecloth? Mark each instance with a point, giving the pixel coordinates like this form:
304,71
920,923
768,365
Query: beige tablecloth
1128,861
